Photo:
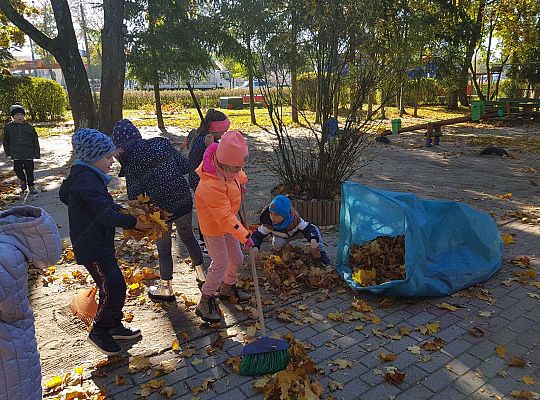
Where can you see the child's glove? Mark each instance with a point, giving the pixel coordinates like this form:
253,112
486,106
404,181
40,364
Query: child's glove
315,250
249,244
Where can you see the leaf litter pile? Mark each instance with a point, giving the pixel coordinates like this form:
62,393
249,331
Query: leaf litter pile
378,261
8,189
292,270
147,212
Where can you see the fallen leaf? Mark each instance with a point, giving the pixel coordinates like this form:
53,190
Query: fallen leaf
414,349
168,392
119,380
434,345
476,332
197,361
251,331
334,385
517,362
155,383
507,238
128,316
386,357
342,363
403,330
504,196
521,394
534,295
528,380
359,328
54,382
204,387
500,350
485,314
446,306
503,374
261,382
175,345
396,377
188,351
79,370
521,261
139,363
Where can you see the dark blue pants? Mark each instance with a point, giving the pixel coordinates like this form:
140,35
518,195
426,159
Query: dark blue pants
112,293
24,169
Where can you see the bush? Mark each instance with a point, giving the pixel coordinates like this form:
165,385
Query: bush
307,91
11,92
178,99
45,100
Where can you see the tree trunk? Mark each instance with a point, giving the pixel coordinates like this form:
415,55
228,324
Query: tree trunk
293,66
476,85
452,100
250,81
113,71
369,107
66,51
159,113
383,108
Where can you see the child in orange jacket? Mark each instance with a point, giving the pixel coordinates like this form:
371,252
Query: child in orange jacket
217,200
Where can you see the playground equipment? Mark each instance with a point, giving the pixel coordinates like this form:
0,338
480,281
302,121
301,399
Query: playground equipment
502,109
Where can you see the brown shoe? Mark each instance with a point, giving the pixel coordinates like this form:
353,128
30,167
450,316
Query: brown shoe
231,294
208,309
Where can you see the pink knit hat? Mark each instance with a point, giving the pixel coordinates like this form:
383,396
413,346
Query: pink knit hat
232,149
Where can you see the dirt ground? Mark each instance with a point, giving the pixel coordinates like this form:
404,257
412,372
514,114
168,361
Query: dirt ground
453,171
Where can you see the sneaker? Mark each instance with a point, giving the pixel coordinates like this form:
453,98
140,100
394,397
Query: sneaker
123,333
23,186
162,292
33,190
104,342
231,294
325,259
208,309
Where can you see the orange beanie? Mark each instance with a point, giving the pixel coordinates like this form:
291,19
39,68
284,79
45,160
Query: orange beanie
232,149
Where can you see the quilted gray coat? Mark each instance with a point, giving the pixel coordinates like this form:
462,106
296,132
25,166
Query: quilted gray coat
26,234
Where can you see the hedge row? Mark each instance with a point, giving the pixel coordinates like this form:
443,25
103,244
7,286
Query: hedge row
43,99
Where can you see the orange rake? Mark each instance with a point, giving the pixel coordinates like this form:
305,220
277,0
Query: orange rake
84,306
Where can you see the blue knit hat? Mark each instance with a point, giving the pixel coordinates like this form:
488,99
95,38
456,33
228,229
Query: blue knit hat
282,205
124,131
90,145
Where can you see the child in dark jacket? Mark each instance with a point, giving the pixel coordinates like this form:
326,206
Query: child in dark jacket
93,217
21,143
285,224
155,168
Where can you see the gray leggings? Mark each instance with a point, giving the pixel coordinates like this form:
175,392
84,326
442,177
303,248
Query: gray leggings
164,246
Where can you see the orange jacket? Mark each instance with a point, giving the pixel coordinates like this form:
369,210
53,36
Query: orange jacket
217,202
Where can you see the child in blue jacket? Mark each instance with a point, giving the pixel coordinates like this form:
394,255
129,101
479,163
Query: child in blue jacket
93,217
284,223
155,168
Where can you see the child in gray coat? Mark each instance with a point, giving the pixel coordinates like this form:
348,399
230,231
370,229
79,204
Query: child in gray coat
27,234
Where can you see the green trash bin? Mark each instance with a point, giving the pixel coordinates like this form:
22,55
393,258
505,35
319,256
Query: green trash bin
396,125
476,111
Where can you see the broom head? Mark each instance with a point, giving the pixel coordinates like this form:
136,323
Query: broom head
84,305
264,356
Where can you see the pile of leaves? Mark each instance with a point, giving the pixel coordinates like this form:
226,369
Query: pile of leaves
8,189
379,260
292,270
144,210
295,381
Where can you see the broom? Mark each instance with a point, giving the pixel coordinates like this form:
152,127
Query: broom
265,355
84,305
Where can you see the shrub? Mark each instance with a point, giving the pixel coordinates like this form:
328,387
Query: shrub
307,91
45,100
11,92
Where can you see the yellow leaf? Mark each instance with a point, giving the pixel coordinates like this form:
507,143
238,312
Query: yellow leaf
501,350
261,382
485,314
54,382
342,363
521,394
175,345
529,380
504,196
388,356
534,295
446,306
507,238
143,199
155,383
359,327
334,385
414,349
365,276
139,363
197,361
79,370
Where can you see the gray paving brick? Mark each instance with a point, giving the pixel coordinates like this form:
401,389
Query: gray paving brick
449,394
351,390
503,336
405,359
492,366
382,392
422,318
345,342
439,380
503,385
305,333
463,364
397,346
248,389
414,375
527,303
230,381
416,392
468,383
371,379
437,361
457,347
348,374
328,335
483,350
448,320
235,394
451,333
323,353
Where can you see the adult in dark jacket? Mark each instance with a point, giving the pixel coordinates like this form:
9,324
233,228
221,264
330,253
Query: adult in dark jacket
21,143
155,168
93,217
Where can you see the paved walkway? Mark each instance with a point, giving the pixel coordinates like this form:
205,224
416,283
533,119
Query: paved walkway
493,324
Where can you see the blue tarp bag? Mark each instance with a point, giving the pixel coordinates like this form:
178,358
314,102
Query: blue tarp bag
448,246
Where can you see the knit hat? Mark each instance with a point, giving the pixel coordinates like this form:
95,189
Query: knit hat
16,109
124,131
232,149
90,145
281,205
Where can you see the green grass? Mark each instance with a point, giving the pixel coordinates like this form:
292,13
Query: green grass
188,118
